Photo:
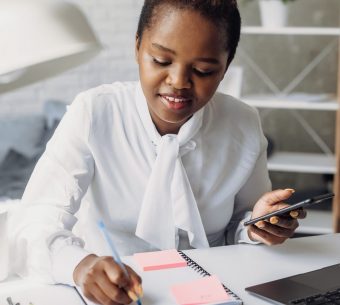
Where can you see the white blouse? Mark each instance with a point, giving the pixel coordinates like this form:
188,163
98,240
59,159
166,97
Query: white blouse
101,164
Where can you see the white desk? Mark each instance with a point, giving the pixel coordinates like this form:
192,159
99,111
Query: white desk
241,266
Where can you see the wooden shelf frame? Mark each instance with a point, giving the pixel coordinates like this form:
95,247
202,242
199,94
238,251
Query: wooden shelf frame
336,186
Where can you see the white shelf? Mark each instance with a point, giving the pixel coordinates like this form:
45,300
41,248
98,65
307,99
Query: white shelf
288,103
302,163
316,222
321,31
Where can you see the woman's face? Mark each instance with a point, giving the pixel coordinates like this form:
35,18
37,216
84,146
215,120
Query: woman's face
182,59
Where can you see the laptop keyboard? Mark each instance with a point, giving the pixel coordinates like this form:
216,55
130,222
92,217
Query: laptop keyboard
328,298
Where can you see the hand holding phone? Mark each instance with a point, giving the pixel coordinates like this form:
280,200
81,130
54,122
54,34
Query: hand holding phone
296,206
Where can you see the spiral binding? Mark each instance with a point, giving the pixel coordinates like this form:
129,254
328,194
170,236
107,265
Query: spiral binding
192,264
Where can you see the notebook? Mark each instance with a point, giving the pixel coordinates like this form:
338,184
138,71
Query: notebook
158,287
158,284
320,286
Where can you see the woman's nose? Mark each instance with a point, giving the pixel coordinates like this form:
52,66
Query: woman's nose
179,78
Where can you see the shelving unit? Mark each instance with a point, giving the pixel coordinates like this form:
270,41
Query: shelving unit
316,223
261,101
328,162
302,163
314,31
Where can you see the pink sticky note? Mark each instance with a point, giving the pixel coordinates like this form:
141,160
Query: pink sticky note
206,290
159,260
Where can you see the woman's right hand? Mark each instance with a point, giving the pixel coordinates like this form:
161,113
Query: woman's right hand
103,281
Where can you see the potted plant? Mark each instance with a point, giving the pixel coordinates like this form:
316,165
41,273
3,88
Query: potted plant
274,12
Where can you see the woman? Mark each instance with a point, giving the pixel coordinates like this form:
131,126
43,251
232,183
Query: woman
166,162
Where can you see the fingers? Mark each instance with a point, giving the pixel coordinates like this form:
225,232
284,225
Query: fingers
300,214
284,222
136,281
94,293
100,297
275,231
288,222
263,236
112,291
105,282
278,228
280,231
131,284
114,272
276,196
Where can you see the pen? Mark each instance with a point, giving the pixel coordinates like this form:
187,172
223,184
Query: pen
115,254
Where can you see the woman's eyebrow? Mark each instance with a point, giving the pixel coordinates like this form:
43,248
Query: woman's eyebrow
203,59
208,60
162,48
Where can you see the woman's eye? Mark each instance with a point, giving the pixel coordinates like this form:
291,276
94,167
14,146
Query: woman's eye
203,73
161,62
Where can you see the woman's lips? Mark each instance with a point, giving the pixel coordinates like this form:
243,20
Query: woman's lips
175,102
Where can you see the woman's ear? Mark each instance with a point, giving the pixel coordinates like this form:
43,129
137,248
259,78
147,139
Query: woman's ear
137,44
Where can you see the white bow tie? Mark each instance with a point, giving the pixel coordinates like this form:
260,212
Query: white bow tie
169,203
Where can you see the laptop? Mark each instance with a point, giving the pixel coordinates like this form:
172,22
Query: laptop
317,287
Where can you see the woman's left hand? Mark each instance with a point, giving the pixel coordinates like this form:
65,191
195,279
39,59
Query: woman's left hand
278,228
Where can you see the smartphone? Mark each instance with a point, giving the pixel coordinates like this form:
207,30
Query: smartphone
295,206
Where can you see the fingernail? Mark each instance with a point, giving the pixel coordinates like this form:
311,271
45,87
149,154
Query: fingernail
139,290
132,296
260,224
291,190
274,220
294,214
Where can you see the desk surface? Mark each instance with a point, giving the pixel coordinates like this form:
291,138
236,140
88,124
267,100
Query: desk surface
244,265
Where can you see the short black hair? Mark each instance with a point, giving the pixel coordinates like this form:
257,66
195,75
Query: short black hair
223,13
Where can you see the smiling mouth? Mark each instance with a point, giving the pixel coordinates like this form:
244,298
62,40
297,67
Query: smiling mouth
176,99
176,103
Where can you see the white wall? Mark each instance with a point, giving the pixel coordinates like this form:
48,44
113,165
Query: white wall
115,23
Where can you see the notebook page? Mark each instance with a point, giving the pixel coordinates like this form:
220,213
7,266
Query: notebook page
157,284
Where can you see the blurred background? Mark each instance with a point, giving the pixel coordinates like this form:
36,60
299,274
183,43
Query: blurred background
265,66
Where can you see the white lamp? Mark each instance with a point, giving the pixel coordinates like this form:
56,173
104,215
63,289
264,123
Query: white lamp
38,39
41,38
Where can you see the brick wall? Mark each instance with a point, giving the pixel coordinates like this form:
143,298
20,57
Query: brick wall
114,22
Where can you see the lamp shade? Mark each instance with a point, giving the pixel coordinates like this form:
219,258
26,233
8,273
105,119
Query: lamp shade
41,38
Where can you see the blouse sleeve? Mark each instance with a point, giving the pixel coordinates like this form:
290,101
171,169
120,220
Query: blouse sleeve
256,185
42,241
